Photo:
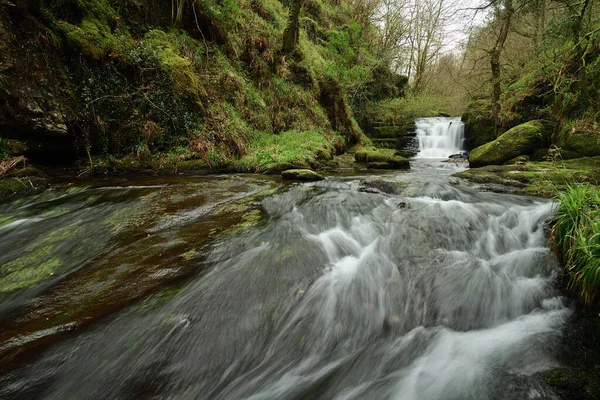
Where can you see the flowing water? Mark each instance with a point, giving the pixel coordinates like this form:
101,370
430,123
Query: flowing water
439,137
428,290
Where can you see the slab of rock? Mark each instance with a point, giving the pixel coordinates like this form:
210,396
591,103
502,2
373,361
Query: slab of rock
301,175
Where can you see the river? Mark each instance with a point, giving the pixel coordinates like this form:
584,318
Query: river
394,285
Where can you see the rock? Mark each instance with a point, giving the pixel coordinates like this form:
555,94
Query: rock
520,160
379,186
521,140
397,163
580,138
479,125
461,155
278,168
301,175
381,159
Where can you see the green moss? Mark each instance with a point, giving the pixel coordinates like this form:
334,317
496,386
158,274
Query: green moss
537,178
162,49
579,137
520,140
249,220
479,125
9,188
37,262
294,148
381,159
301,175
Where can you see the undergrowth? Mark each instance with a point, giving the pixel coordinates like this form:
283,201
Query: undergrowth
576,237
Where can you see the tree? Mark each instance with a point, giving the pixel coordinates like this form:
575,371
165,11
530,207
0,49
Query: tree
427,23
505,11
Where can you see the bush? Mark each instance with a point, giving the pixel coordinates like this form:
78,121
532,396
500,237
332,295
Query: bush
576,237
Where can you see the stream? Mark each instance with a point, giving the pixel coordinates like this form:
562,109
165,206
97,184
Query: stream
387,285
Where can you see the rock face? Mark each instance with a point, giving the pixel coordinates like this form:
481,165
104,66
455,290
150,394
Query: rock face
521,140
479,125
301,175
35,103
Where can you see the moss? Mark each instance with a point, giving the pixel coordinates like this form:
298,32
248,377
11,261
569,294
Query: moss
291,148
580,137
15,188
537,178
381,159
162,49
479,125
37,262
301,175
249,220
520,140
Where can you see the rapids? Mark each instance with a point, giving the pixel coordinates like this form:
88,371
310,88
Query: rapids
436,291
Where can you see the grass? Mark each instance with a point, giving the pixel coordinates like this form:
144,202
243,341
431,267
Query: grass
576,236
297,148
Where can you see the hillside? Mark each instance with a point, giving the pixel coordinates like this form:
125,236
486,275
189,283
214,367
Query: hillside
127,85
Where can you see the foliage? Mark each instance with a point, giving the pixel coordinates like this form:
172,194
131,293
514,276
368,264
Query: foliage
577,238
291,148
4,149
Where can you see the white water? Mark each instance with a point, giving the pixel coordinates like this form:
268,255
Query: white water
439,137
438,293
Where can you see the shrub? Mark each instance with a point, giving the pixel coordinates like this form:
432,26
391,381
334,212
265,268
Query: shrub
576,237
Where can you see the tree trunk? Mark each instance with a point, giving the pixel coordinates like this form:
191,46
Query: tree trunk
292,31
506,18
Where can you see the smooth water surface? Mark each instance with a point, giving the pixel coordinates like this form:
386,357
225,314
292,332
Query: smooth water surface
434,291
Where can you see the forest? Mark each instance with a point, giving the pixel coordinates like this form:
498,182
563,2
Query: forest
97,90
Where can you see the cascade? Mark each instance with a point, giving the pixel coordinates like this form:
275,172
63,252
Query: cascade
439,137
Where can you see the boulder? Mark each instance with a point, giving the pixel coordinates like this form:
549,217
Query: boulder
301,175
523,139
581,139
519,160
381,159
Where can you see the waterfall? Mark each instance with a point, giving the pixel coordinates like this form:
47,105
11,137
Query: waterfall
439,137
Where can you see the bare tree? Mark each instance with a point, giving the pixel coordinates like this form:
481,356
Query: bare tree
426,31
505,11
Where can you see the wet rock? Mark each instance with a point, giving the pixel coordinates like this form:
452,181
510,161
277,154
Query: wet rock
379,186
302,175
461,155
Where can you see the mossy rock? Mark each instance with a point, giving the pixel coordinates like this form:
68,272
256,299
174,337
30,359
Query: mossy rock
13,189
396,162
381,159
520,160
520,140
580,138
571,383
301,175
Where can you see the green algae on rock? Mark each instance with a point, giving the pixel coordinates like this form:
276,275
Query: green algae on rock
520,140
301,175
381,159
